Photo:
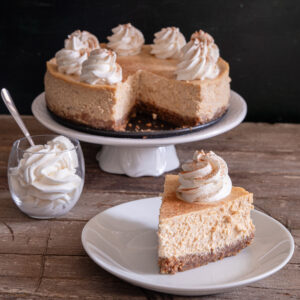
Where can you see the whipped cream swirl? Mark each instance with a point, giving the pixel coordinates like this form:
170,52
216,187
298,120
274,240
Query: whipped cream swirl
199,58
82,41
45,180
70,61
101,68
77,47
205,179
126,40
168,43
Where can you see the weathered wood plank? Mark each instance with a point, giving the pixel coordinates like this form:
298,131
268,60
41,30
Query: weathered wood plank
253,137
82,267
262,185
65,238
90,204
13,286
79,276
23,236
19,273
248,293
56,238
106,288
284,210
296,236
13,265
254,162
27,236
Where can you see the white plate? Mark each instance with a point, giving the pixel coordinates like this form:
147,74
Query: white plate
123,241
235,115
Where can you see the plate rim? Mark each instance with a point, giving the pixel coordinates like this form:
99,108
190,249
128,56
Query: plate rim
234,116
189,290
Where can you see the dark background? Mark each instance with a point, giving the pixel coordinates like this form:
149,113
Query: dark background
259,38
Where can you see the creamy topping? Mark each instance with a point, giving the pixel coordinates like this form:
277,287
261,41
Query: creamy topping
101,68
199,58
126,40
77,47
82,41
45,180
202,36
205,179
70,61
168,43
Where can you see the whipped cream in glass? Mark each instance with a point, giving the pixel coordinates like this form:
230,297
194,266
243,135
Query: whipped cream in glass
204,179
126,40
101,68
199,58
168,43
46,180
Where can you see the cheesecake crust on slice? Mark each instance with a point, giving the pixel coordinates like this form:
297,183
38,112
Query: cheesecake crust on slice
192,235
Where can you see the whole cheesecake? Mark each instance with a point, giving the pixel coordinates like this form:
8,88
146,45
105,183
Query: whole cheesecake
148,84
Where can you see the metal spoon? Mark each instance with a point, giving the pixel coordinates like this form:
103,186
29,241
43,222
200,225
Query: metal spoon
8,101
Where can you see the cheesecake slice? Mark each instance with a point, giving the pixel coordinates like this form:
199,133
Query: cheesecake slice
194,234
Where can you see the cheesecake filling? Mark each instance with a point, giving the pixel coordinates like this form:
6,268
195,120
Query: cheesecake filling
168,43
199,58
207,232
204,179
126,40
101,68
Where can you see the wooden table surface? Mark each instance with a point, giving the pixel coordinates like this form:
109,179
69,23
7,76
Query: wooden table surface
44,258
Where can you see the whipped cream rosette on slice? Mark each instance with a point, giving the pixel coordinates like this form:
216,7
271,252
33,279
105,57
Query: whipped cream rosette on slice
101,68
126,40
168,43
199,58
204,179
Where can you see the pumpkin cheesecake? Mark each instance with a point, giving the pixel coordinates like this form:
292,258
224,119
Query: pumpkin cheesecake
183,83
203,218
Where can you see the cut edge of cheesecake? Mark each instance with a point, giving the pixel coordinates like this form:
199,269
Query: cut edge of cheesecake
173,211
190,261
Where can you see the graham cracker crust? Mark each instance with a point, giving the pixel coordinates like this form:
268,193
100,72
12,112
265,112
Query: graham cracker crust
173,118
85,119
183,263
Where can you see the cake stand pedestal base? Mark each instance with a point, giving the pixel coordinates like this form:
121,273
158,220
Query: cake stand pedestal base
138,161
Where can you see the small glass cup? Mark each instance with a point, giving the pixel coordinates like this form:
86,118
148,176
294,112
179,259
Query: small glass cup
45,183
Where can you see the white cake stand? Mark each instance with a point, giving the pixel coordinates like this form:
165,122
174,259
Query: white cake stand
142,157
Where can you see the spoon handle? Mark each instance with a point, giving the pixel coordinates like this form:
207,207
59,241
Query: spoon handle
7,99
